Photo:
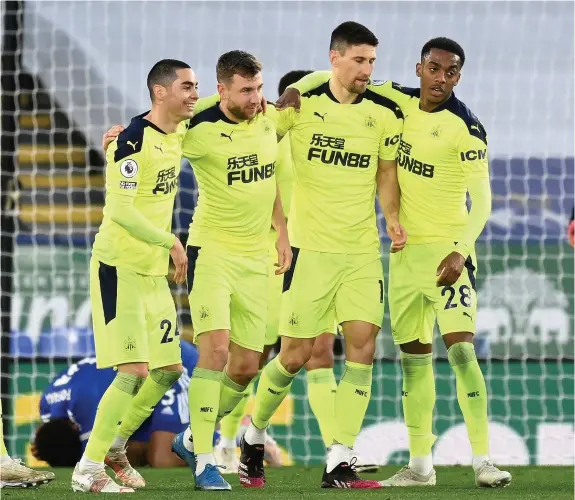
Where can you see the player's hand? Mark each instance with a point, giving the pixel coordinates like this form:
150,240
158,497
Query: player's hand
571,233
450,269
263,105
291,98
110,135
397,234
180,259
284,254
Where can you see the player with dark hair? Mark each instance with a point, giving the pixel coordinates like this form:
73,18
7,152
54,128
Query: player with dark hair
321,383
343,144
233,152
227,245
135,322
442,156
68,407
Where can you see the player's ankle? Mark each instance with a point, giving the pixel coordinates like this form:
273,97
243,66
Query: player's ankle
228,443
421,465
86,464
478,460
338,453
188,440
119,444
203,459
254,435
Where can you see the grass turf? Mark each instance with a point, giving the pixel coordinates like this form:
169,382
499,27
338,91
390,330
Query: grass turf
292,483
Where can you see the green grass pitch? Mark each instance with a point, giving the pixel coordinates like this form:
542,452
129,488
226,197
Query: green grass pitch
294,483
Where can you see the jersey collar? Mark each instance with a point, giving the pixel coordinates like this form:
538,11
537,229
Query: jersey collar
222,116
447,105
329,93
148,123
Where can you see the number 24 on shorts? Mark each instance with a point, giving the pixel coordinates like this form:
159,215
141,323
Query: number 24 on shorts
465,298
166,324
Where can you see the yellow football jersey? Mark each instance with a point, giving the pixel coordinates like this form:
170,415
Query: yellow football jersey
144,164
335,151
234,164
440,154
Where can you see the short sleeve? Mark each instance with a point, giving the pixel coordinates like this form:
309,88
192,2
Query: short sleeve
311,81
206,102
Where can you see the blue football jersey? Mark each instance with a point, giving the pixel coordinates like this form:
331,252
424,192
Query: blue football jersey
76,392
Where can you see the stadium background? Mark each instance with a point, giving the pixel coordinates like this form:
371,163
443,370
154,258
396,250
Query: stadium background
72,69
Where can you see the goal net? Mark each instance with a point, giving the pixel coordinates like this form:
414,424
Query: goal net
80,67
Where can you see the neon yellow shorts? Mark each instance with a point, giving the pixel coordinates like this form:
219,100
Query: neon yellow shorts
321,287
229,292
134,318
415,302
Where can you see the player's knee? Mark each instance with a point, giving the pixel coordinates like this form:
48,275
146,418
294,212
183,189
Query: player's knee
360,349
416,347
461,353
166,376
242,373
450,339
293,363
139,370
321,357
294,360
214,357
177,368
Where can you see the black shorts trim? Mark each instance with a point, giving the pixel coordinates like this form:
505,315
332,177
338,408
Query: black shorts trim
470,271
192,253
288,277
108,277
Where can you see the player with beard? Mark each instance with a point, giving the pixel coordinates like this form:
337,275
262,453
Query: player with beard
343,142
442,156
233,150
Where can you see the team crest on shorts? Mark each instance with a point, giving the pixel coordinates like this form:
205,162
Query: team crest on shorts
130,344
204,313
293,320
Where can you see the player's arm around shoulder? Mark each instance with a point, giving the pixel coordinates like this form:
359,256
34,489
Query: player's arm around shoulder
311,81
292,96
394,91
282,119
